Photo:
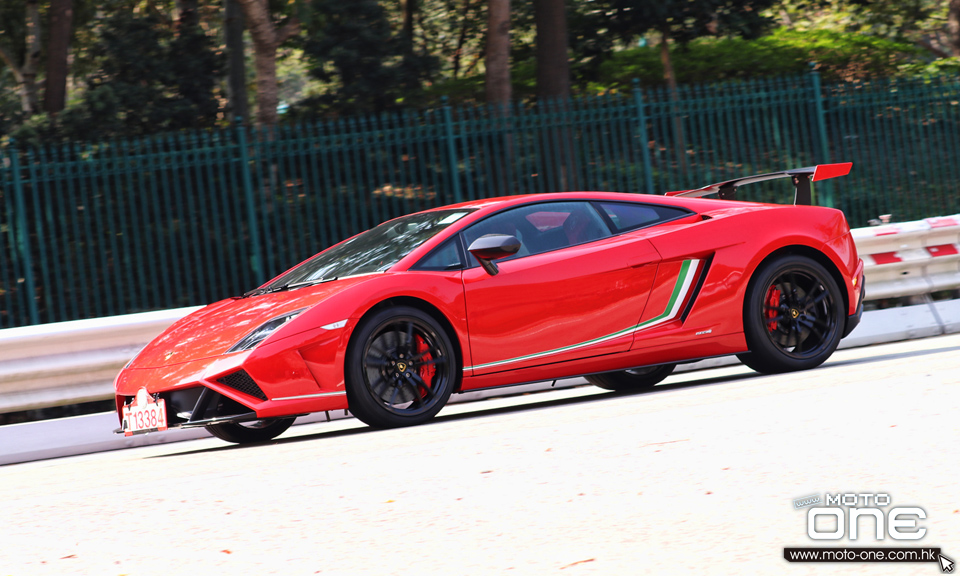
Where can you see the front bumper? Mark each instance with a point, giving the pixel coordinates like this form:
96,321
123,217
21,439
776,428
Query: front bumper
256,385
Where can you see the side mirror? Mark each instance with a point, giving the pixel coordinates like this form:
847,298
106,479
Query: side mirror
492,247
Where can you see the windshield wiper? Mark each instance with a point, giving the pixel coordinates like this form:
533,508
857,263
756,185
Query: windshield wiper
288,286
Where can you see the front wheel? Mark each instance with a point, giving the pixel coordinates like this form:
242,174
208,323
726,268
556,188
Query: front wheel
400,368
249,432
793,316
632,380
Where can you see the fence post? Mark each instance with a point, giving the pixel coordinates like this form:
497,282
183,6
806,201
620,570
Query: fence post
451,152
23,237
257,263
644,141
827,199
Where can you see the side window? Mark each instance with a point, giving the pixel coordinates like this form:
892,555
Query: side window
444,257
543,227
632,216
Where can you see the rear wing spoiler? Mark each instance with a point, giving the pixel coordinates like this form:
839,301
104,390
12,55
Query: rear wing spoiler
801,182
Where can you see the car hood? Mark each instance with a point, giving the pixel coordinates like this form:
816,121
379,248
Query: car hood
212,330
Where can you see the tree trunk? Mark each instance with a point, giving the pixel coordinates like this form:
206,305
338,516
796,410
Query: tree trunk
553,66
553,91
498,53
668,74
671,79
237,75
499,90
268,93
267,37
58,50
409,11
953,27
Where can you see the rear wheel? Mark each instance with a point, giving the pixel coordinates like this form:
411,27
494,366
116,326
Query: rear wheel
632,380
793,316
400,369
249,432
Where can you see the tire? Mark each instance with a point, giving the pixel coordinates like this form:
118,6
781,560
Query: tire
400,368
632,380
249,432
793,316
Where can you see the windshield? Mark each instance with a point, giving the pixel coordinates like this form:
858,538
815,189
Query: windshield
375,250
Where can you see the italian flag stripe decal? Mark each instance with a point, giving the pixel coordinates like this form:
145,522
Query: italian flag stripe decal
688,272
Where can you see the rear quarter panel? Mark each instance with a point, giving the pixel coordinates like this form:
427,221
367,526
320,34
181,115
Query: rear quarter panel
739,239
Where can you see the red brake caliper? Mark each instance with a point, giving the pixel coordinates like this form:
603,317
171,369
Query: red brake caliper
427,371
773,303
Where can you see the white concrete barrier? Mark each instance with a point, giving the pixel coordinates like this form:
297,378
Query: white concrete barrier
74,362
910,258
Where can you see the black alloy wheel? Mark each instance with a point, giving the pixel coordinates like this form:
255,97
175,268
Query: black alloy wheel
632,380
250,432
793,316
401,368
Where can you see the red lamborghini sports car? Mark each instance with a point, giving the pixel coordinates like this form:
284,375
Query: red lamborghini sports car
616,287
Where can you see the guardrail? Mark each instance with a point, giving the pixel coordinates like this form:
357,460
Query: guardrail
910,258
73,362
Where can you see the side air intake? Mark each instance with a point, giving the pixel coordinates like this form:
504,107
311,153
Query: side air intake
242,382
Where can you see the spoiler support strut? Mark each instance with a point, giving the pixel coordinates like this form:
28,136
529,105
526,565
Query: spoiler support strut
801,185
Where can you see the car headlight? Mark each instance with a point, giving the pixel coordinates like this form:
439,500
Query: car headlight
263,332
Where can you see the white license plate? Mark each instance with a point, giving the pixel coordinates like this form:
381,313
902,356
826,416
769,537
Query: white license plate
144,414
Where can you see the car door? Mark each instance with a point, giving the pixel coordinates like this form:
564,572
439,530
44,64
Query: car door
573,290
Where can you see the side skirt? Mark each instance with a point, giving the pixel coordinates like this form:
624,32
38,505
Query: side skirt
725,345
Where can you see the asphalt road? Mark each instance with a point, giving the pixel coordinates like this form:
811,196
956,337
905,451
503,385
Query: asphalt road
695,477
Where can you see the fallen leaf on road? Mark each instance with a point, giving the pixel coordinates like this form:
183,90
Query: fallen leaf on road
579,562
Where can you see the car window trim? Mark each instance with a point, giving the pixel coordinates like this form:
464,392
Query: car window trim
617,232
471,263
461,253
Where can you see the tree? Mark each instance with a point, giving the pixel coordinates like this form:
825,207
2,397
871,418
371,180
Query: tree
498,53
353,47
149,79
267,37
933,25
237,69
681,21
26,73
953,27
58,48
553,62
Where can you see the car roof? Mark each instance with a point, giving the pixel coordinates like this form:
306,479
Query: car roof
487,205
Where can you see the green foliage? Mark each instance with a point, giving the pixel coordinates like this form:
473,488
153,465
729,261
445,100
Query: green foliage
840,57
10,110
894,19
936,68
148,80
352,46
134,73
687,20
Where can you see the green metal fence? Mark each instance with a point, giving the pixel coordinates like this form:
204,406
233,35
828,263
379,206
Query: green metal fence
89,230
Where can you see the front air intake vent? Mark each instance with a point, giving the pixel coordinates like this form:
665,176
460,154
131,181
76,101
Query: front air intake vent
242,381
